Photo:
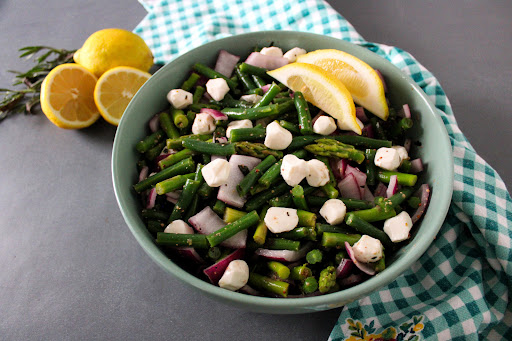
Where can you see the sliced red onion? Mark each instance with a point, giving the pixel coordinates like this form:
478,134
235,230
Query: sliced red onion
228,192
368,131
143,173
226,63
392,186
360,176
207,221
367,194
382,80
424,194
352,280
349,188
172,200
333,163
344,268
361,115
407,144
405,111
174,194
416,166
150,201
266,87
342,166
380,191
215,271
366,268
221,140
284,255
154,123
215,157
189,253
217,115
264,61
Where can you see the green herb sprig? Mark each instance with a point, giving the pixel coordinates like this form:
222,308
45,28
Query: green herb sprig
25,99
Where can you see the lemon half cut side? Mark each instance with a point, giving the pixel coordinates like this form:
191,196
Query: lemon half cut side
321,89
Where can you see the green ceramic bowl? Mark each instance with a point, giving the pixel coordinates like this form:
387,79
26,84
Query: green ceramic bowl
429,129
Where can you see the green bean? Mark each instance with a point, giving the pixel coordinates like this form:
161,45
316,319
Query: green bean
397,198
254,70
219,207
247,134
376,213
232,215
403,178
354,140
190,82
174,158
210,73
298,198
192,209
177,143
149,141
179,118
330,239
155,226
302,232
209,148
168,126
229,230
251,113
293,128
154,214
268,284
314,256
371,169
301,272
247,82
250,179
155,151
310,285
187,195
198,94
261,199
260,82
306,218
268,96
280,269
182,167
379,129
272,174
365,227
282,244
284,200
306,128
198,241
321,228
173,184
198,106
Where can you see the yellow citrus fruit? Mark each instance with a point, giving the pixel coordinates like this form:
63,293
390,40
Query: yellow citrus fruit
113,47
115,89
67,97
321,89
361,79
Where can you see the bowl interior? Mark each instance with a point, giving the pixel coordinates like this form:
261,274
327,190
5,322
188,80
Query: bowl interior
435,151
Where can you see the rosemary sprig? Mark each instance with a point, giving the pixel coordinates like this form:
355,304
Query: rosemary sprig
25,99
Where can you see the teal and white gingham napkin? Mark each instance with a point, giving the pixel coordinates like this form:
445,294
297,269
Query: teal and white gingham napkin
459,289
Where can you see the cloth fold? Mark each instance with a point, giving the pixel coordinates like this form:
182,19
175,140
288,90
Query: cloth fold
459,289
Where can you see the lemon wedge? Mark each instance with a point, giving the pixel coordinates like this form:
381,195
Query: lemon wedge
67,96
115,89
361,79
321,89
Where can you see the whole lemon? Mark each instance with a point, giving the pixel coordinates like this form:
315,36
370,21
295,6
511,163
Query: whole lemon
113,47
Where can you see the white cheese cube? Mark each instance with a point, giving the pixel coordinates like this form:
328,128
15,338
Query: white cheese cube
272,51
368,249
333,211
203,124
277,137
216,173
387,158
398,227
293,169
179,226
402,152
179,98
235,276
281,219
217,88
252,98
324,125
292,54
237,125
318,173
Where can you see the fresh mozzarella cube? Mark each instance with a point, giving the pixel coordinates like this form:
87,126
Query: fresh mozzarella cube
318,173
179,226
281,219
333,211
179,98
398,227
324,125
217,88
277,137
235,276
368,249
387,158
272,51
252,98
402,152
237,125
203,124
293,169
216,173
292,54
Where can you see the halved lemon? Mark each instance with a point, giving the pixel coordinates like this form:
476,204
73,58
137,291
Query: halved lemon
361,79
67,96
321,89
115,89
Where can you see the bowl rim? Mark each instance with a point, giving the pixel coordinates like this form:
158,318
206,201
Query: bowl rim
345,295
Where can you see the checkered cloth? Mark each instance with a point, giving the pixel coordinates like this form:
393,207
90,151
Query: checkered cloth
459,289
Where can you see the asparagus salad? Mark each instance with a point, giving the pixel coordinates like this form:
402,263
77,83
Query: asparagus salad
255,181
